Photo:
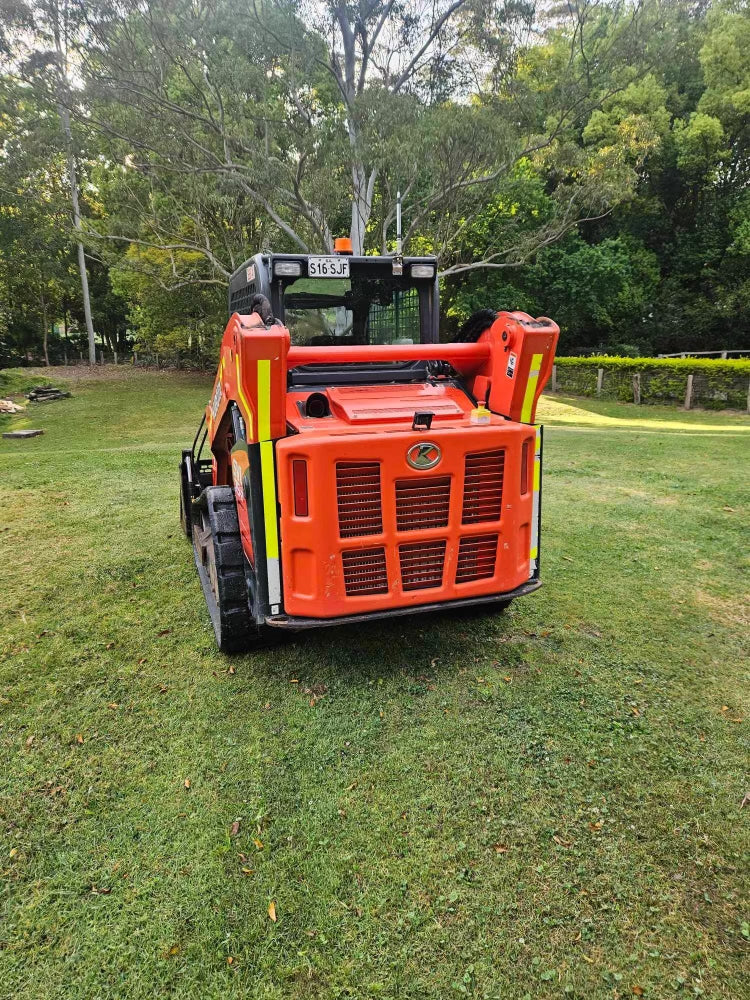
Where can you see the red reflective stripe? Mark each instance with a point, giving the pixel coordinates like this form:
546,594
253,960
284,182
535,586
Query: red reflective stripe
299,482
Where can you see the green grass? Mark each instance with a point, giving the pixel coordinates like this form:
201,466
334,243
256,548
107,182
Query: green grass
539,804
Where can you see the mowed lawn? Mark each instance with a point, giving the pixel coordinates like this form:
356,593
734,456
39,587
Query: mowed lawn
538,804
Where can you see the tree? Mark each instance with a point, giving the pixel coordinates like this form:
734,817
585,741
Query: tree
363,99
39,36
35,252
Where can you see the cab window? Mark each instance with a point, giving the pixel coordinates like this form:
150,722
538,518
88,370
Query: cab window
356,310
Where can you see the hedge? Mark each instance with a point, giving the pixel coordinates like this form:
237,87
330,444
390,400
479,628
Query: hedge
717,384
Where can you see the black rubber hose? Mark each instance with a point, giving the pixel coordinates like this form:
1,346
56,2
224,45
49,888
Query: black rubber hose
475,326
259,304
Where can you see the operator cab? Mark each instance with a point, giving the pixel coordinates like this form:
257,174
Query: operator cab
340,299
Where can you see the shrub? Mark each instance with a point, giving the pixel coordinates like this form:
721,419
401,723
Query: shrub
717,384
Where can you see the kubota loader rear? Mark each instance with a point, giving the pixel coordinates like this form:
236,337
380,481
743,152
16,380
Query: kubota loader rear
359,469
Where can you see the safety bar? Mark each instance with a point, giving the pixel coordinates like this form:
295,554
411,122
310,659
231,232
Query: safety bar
464,356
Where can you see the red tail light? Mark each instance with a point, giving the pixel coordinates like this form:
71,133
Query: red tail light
299,483
525,468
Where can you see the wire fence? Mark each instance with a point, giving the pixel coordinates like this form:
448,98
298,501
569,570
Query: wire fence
720,387
189,361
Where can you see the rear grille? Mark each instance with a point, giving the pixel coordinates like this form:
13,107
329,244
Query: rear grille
365,572
422,565
483,487
358,498
476,558
422,502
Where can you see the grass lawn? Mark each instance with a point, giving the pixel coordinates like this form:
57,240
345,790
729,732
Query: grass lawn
538,804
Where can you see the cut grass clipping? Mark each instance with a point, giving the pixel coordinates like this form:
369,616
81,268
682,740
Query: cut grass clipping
540,804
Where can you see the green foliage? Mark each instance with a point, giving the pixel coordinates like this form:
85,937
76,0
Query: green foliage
594,292
170,320
717,384
598,174
699,143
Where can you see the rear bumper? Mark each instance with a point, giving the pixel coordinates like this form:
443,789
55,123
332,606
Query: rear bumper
299,624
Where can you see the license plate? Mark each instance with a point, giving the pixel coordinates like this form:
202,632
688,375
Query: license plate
328,267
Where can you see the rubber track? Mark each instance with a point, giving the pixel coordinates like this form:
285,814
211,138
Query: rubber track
232,621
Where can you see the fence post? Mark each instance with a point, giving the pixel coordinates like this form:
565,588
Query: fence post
599,380
65,359
115,356
554,378
723,355
157,361
637,387
689,392
135,357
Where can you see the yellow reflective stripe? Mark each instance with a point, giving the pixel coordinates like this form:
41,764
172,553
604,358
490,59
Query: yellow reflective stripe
269,499
248,414
264,400
266,461
528,399
534,552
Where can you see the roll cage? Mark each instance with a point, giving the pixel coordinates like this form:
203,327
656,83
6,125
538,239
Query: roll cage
372,279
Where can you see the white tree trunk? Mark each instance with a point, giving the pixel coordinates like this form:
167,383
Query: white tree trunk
363,188
62,85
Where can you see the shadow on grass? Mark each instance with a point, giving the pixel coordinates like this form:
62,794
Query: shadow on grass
418,645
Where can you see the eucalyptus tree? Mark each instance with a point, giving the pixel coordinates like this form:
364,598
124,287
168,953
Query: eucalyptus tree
316,113
36,260
41,41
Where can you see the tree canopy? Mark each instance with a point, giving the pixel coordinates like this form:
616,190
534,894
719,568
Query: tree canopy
588,161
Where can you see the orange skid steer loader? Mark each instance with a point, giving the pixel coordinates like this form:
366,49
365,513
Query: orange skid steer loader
358,468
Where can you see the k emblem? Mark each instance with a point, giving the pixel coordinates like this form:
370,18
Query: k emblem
424,455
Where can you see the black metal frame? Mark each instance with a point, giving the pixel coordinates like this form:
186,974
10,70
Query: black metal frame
265,283
299,624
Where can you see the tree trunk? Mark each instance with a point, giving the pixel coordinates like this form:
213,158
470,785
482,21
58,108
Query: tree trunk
45,331
62,80
363,188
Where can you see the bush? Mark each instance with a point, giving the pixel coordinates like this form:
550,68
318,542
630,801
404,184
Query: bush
717,384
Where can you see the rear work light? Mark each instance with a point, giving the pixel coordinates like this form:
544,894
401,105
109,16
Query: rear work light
299,484
423,270
287,268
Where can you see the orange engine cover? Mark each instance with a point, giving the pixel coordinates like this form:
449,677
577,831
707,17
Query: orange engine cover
379,533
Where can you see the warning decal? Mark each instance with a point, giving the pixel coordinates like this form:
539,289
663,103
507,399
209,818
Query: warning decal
510,370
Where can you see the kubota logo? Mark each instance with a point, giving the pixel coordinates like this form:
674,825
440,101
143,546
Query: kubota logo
424,455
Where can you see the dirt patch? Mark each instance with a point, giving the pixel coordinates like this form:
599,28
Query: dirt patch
86,374
729,611
643,495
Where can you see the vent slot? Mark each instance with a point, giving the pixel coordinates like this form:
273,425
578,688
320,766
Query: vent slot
358,498
365,572
476,558
483,487
422,502
422,565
